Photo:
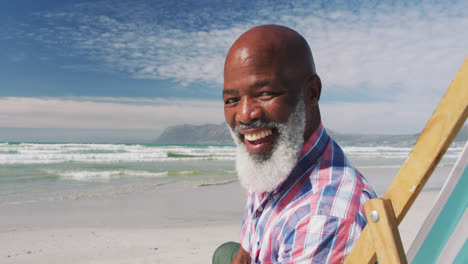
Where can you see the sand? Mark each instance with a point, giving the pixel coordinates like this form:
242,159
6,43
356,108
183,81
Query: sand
114,245
176,224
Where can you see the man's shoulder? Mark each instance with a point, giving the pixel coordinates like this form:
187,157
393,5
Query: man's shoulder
342,199
336,187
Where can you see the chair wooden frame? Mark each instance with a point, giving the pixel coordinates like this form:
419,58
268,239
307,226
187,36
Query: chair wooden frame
380,239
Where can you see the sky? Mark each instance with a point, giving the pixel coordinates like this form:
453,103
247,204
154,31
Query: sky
146,65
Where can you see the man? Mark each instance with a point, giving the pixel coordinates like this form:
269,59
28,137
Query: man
305,202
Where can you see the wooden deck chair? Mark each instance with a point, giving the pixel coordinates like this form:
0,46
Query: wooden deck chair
380,238
443,237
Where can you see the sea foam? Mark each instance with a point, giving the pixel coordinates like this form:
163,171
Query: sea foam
88,175
29,153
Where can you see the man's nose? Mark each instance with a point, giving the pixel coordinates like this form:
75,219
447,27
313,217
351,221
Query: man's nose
248,111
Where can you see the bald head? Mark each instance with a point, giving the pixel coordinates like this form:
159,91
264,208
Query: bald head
268,70
273,44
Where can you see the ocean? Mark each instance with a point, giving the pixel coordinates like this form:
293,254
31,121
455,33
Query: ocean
34,172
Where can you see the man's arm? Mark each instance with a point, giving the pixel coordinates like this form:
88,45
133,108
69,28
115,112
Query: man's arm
242,257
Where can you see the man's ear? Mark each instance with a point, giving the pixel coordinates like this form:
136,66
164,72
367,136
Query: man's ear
312,91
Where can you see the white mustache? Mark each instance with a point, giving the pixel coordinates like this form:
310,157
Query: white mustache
257,123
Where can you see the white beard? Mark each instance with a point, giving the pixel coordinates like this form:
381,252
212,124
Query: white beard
264,175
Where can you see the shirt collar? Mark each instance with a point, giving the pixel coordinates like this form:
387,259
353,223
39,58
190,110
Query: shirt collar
312,140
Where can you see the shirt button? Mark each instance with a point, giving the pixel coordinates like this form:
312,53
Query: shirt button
260,209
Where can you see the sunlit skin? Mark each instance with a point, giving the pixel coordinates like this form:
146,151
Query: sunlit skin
255,91
266,71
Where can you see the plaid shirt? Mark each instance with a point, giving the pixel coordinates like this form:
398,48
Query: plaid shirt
315,216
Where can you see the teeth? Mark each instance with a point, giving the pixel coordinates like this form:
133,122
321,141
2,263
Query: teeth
257,136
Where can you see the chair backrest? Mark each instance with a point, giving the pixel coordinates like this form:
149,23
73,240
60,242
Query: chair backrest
443,126
443,236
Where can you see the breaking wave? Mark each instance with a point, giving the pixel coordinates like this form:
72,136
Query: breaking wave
29,153
89,175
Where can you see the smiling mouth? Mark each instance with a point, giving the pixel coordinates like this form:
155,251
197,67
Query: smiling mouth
259,141
254,137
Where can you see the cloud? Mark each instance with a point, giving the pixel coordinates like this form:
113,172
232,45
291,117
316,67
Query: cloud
159,113
385,62
123,37
106,113
395,56
378,118
385,51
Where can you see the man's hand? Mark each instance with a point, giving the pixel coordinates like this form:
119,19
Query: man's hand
242,257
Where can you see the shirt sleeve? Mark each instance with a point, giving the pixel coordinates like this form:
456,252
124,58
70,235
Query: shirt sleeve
322,239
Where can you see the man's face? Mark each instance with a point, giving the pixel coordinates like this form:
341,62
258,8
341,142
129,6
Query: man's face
256,96
266,115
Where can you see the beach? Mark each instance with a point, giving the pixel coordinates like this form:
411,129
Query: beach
172,225
176,212
138,229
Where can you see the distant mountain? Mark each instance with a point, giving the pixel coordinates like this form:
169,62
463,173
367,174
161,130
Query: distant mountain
212,134
209,134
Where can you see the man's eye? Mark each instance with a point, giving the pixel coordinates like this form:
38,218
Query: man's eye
266,95
231,101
